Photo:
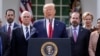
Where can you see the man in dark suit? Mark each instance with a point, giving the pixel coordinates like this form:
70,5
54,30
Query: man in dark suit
49,27
4,44
21,35
10,25
79,36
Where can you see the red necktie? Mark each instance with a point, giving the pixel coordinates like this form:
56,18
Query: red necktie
9,31
50,30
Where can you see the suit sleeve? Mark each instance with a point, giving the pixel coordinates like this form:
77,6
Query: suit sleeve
35,24
7,45
13,44
64,33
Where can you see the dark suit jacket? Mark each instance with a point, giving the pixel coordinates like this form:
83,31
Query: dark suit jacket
5,44
58,32
19,44
4,28
80,47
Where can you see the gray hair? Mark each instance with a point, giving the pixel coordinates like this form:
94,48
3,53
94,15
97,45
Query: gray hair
25,12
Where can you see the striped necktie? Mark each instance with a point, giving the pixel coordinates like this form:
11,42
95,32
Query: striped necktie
9,31
27,32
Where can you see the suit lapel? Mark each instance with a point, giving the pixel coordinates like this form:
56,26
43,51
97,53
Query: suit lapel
55,29
14,25
22,33
80,33
70,33
44,27
31,29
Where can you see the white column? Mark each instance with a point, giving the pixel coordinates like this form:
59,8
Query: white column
91,6
10,4
98,9
1,10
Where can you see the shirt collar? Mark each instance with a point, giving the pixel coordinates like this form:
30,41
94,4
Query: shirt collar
77,27
25,26
48,19
11,23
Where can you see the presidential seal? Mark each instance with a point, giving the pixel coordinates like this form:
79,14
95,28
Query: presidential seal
49,49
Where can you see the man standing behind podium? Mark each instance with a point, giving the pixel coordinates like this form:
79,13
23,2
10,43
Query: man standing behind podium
79,36
21,35
49,27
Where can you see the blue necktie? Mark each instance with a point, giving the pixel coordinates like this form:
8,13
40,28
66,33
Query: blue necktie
27,33
0,47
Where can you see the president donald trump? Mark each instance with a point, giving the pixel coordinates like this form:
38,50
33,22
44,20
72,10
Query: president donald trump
49,27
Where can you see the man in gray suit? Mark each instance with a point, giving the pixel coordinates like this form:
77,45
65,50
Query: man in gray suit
79,36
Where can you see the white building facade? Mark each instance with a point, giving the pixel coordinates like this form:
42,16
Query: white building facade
87,5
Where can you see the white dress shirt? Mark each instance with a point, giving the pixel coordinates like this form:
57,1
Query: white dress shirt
47,24
24,29
77,29
12,26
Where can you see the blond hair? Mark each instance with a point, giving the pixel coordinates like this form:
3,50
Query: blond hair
48,4
87,14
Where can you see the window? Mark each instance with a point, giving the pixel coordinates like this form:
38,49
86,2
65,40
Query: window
62,9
